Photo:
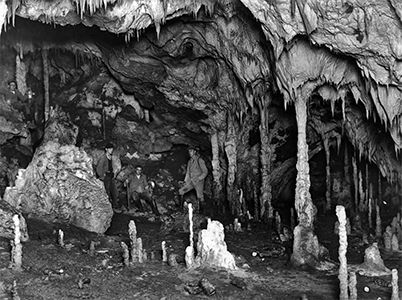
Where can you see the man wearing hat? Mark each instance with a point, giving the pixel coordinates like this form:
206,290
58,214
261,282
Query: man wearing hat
195,175
107,168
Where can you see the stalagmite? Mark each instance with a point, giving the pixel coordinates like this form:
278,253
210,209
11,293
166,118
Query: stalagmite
394,283
306,249
45,62
139,250
394,243
378,227
328,174
60,238
91,248
266,153
278,222
189,255
355,183
164,252
216,168
16,249
352,286
388,238
231,153
132,233
343,245
126,254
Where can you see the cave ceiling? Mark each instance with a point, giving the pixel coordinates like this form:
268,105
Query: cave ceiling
224,56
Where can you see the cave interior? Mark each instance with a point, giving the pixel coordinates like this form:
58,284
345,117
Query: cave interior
294,106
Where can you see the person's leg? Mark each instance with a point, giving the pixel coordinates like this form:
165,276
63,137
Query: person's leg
199,189
151,202
114,193
137,200
107,184
183,190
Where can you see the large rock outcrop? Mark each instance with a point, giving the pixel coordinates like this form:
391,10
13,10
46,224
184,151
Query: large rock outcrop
59,186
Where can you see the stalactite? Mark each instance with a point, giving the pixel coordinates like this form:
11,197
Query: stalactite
343,245
46,82
216,168
306,249
367,184
20,74
3,14
361,192
231,153
266,153
328,173
355,183
378,227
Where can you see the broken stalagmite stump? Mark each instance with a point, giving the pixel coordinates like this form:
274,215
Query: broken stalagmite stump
343,245
60,238
373,264
211,247
132,233
164,252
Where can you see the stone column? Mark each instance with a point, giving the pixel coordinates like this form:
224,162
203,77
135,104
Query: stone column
306,249
266,152
328,173
216,168
231,153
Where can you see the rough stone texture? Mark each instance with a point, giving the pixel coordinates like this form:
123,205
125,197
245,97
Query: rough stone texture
308,250
373,264
59,185
211,247
11,123
7,224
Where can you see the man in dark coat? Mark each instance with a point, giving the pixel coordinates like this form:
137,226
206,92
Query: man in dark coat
107,168
138,188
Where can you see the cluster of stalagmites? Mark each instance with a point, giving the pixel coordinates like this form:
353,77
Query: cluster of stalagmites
392,236
373,264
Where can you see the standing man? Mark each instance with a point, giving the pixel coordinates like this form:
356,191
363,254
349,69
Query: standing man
195,175
107,168
138,188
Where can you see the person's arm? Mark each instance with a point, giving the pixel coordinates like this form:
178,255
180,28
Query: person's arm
187,177
203,168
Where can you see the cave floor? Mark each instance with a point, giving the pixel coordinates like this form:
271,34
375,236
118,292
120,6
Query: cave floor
52,272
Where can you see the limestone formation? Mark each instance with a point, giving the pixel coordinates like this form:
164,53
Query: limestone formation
343,245
394,283
373,264
211,248
394,243
388,238
59,185
7,213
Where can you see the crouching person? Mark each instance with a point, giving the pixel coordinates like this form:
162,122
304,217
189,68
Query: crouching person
139,189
